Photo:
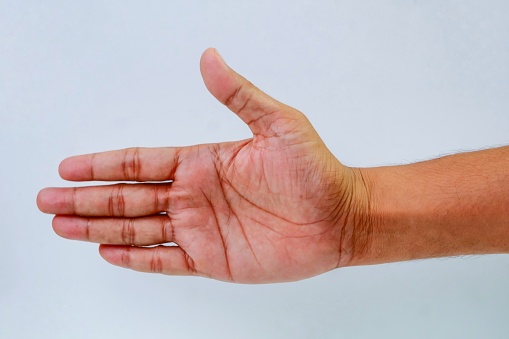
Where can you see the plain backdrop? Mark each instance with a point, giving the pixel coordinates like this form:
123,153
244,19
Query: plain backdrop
383,82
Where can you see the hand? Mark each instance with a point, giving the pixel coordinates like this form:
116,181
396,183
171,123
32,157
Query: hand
276,207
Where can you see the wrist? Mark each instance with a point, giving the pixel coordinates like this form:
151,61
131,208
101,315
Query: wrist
356,223
399,217
405,218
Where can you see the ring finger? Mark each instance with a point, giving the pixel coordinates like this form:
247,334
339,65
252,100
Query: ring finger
145,231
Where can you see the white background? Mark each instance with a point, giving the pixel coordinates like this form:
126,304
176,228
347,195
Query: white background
384,82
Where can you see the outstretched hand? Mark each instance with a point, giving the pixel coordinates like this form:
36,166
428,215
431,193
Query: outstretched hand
276,207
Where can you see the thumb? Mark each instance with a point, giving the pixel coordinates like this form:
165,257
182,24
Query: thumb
258,110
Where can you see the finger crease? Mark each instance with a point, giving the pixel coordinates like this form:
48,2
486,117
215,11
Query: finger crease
74,194
136,164
126,257
156,263
168,231
190,263
128,232
92,176
116,203
120,201
247,101
156,198
232,97
87,229
124,166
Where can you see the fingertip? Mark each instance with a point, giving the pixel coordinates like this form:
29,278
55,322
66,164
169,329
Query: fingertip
65,227
113,254
209,50
58,229
76,168
210,55
219,79
64,169
42,200
55,200
240,95
102,250
106,252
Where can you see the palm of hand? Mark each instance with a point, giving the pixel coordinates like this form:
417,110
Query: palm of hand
271,208
255,213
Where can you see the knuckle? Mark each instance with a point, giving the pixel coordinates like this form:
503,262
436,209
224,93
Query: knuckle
233,97
168,231
128,232
92,166
156,198
131,165
156,262
116,201
244,102
88,225
161,197
240,98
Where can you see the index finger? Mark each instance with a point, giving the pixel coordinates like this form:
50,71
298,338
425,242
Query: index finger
130,164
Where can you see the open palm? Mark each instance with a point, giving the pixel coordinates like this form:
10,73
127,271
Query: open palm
276,207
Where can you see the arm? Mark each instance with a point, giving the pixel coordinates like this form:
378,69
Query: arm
455,205
277,206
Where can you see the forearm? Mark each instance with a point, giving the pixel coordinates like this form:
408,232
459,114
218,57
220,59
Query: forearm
455,205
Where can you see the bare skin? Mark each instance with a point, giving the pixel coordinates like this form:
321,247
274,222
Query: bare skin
278,206
454,205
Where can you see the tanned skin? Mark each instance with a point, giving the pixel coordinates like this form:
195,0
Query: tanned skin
278,206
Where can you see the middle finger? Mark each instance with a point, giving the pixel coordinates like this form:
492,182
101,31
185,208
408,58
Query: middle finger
121,200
